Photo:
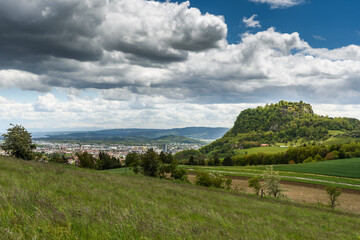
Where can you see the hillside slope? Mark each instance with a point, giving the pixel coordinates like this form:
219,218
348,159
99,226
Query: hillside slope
283,122
49,201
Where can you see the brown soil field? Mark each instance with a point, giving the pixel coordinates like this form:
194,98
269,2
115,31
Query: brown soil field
349,200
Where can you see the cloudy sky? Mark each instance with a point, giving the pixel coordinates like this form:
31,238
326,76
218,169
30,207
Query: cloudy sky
90,64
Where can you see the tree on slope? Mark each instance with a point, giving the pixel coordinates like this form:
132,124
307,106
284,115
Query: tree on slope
18,142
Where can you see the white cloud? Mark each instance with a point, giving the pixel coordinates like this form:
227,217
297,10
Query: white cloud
251,22
318,37
280,3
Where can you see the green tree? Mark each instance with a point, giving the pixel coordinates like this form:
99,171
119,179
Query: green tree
105,161
216,160
255,183
132,159
18,142
150,163
86,160
191,160
228,161
334,193
57,157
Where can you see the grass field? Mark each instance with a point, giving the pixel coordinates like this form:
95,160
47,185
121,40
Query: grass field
256,150
341,171
49,201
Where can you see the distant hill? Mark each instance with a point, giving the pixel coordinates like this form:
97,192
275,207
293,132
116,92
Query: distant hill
181,135
284,122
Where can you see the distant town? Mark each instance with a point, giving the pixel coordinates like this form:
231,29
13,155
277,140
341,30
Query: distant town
115,150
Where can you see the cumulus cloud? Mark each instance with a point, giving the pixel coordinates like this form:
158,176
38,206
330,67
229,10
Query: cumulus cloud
83,30
157,60
251,22
279,3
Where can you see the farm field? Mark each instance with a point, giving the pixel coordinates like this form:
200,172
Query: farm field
52,201
344,171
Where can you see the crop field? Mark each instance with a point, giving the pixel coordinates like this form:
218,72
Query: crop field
345,172
51,201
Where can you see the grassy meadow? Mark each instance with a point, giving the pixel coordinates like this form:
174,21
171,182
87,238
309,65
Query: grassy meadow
256,150
50,201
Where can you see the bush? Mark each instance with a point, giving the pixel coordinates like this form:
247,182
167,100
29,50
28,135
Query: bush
180,174
216,180
334,193
255,183
309,160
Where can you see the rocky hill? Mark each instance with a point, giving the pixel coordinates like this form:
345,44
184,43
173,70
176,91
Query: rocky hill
283,122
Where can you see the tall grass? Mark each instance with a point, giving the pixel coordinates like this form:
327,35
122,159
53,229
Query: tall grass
49,201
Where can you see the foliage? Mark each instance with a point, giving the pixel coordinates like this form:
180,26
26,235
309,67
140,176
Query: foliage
334,193
150,163
57,158
255,183
132,159
105,161
272,182
180,174
18,142
228,161
216,160
211,179
86,160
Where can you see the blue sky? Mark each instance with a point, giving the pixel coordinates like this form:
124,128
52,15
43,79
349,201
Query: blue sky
336,21
162,64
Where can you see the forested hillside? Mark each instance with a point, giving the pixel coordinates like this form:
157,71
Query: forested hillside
283,122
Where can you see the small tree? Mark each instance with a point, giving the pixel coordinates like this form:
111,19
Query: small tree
86,160
272,182
334,193
255,183
132,159
18,142
191,160
150,163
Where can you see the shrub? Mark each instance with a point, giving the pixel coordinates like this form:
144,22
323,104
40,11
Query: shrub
255,183
213,180
308,160
180,174
334,193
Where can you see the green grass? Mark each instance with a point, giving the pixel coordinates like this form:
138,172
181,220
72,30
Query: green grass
50,201
349,168
340,171
256,150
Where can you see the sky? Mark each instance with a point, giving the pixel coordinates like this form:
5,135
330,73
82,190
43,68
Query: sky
95,64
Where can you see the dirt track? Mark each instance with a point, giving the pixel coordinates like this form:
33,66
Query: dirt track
304,192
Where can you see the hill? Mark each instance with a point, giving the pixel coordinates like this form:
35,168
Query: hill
284,122
180,135
53,201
